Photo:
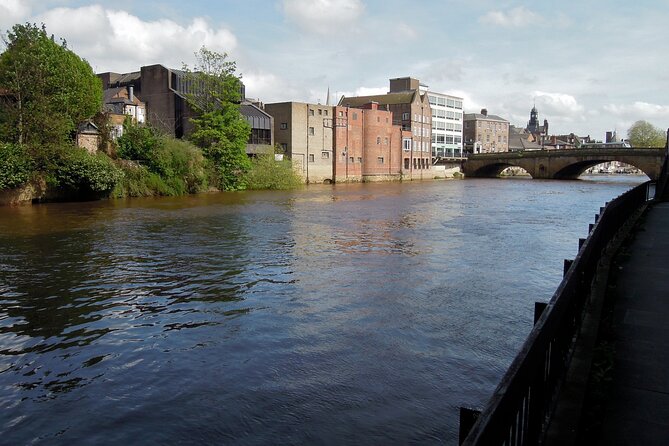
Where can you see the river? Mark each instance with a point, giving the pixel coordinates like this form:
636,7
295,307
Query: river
346,314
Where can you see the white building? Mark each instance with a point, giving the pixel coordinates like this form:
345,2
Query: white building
447,118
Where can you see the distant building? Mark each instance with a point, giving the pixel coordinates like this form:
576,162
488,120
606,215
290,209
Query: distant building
410,109
120,103
485,133
447,119
521,139
538,132
303,132
164,91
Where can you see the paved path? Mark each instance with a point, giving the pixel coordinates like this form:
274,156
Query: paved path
638,411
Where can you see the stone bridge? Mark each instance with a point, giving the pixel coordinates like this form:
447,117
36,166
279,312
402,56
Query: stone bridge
562,164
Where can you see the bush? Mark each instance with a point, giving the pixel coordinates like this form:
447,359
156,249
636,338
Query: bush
267,173
86,174
16,166
171,166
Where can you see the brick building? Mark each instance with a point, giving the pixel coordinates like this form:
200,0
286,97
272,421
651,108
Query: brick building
410,109
485,133
367,146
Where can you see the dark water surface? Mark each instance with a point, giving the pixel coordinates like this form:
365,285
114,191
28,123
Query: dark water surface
353,314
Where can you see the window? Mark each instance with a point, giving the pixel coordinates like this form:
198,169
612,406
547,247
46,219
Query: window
325,155
311,131
379,159
406,163
284,147
320,112
311,158
378,140
378,119
406,145
325,112
341,114
351,160
360,159
355,116
311,112
458,104
385,141
405,116
284,125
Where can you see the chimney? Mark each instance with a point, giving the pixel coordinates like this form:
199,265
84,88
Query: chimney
484,111
131,93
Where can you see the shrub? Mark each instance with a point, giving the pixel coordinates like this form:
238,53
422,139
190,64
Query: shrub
267,173
16,166
87,174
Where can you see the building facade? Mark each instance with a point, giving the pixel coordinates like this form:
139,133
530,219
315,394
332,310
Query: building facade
164,92
304,133
367,145
485,133
411,111
447,122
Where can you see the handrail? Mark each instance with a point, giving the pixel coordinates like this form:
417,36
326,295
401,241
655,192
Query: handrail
518,412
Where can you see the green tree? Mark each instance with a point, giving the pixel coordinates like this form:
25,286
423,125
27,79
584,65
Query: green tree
645,134
48,89
220,129
268,173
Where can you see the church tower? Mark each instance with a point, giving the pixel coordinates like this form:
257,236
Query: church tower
533,124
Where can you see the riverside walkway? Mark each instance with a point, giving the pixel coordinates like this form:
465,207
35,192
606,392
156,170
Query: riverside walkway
637,408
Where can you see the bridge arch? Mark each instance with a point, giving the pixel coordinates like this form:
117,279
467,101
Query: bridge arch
575,170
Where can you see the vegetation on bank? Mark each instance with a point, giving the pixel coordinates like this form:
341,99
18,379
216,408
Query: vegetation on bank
46,91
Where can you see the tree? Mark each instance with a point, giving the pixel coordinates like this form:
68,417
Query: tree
220,130
645,134
47,90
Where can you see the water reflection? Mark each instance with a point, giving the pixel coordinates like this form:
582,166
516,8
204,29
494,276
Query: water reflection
357,313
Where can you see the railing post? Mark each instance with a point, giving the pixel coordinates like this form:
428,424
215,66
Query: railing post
567,265
467,419
539,308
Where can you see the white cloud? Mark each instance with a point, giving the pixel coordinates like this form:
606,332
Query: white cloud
12,12
557,103
126,42
515,18
638,108
323,16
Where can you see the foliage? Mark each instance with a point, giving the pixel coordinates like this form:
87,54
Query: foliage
87,174
220,130
16,166
645,134
137,142
50,90
267,173
168,166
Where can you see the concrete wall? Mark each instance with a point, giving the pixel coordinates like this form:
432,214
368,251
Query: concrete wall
305,130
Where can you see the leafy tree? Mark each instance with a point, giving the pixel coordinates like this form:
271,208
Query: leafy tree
220,129
47,89
645,134
16,166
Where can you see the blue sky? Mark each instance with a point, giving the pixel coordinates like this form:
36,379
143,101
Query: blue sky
589,65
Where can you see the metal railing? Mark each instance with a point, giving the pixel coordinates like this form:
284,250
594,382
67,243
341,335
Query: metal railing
518,412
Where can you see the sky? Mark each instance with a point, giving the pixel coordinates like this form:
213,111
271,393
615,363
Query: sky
590,66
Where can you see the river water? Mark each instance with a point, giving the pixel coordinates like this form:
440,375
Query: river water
347,314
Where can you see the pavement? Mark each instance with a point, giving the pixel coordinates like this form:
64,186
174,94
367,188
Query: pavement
637,408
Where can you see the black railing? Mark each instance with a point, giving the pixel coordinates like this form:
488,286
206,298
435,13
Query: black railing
661,192
518,412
